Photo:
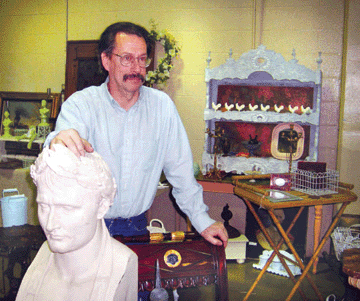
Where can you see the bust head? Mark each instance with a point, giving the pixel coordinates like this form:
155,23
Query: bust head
73,195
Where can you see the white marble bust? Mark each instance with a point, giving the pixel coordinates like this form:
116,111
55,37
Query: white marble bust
79,260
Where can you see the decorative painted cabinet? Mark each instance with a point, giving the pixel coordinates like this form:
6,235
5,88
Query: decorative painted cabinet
260,110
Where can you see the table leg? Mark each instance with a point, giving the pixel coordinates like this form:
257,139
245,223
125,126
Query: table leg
317,229
316,253
298,259
221,289
275,248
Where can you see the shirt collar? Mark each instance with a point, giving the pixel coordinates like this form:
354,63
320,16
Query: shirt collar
114,103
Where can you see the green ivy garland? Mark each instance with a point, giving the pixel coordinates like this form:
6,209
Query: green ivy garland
161,74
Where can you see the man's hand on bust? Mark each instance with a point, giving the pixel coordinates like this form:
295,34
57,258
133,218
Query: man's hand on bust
72,140
216,234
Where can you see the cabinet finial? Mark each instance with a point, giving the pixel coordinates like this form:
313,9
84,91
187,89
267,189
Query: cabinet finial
319,60
208,60
294,56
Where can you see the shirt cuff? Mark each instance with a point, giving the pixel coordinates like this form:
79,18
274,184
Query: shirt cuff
201,222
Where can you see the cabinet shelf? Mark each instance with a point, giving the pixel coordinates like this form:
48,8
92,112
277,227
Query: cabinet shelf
261,116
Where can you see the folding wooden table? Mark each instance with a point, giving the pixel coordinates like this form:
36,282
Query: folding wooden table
252,194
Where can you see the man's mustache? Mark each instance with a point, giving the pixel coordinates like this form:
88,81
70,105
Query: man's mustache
136,75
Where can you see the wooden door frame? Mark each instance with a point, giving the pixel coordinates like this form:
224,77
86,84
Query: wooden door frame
76,50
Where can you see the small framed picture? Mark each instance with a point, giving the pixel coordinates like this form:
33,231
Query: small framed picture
23,109
280,181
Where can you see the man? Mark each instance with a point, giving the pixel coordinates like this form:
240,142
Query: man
138,131
79,260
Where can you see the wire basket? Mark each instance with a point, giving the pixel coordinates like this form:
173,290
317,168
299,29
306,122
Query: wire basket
345,238
315,183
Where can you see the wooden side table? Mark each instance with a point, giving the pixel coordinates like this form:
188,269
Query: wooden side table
351,262
252,194
350,259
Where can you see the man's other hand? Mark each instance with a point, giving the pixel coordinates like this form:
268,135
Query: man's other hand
72,140
216,234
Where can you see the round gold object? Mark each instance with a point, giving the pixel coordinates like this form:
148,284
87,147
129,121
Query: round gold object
172,258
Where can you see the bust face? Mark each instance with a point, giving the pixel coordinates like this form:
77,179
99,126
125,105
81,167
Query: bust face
68,214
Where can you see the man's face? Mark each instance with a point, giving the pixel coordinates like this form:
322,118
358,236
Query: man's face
68,215
119,74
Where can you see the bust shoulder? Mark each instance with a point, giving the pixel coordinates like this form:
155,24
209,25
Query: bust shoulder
120,248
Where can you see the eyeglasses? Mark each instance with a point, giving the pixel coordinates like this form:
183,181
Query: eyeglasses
127,59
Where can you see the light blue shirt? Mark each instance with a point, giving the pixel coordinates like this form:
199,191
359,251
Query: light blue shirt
137,145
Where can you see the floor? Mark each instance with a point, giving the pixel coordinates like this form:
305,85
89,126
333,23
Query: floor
274,287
